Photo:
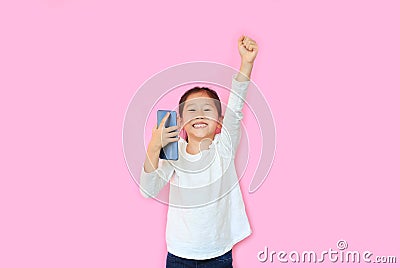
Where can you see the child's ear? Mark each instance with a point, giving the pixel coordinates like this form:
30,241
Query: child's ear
221,118
179,120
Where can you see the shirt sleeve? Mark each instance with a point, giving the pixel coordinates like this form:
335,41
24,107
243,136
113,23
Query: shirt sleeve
151,183
230,132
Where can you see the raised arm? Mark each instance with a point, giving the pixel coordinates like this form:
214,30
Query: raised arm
248,50
230,133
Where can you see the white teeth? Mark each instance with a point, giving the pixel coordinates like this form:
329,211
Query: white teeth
199,125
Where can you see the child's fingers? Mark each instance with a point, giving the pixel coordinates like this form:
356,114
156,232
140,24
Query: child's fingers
240,40
172,128
170,134
249,42
172,139
252,47
246,43
162,123
249,39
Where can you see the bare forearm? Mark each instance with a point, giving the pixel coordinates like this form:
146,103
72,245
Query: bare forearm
245,71
152,158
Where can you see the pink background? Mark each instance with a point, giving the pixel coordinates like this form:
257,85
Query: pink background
68,69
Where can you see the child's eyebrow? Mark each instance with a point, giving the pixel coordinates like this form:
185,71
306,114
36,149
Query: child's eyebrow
208,103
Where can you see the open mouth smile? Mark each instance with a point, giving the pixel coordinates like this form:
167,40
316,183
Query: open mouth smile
200,125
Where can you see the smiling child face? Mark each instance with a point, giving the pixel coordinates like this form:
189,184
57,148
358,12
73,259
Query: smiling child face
200,116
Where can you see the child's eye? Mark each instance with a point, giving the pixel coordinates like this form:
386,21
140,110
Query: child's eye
191,110
207,110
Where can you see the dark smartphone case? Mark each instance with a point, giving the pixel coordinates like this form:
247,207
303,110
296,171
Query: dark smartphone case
169,151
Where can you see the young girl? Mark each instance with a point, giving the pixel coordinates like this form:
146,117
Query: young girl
206,213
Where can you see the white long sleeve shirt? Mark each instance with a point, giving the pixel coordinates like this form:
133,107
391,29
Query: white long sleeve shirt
206,214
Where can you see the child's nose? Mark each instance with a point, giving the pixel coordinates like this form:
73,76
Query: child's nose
200,115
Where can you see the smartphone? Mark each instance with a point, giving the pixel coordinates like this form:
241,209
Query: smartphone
169,151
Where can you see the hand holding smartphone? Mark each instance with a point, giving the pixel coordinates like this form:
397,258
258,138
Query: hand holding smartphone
169,151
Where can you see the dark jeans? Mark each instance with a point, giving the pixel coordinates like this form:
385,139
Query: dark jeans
223,261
